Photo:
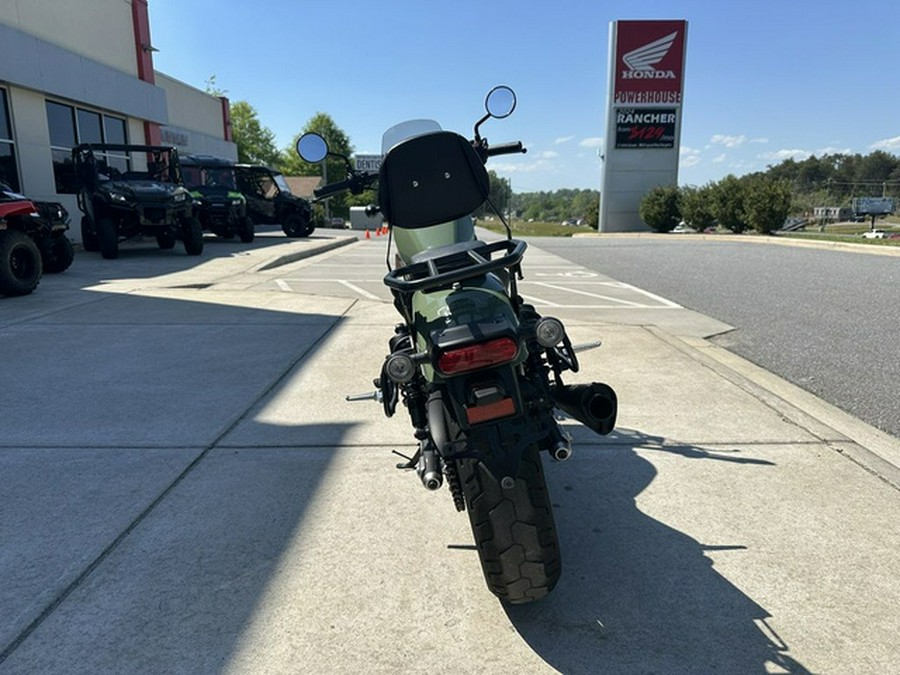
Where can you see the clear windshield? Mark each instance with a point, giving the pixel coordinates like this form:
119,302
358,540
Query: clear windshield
404,130
281,183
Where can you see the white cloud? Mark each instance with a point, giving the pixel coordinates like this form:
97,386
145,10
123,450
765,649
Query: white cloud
728,141
835,151
549,154
719,159
529,167
685,150
761,140
563,139
782,155
887,144
593,142
689,161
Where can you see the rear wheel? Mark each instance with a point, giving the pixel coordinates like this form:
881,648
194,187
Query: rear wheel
514,530
20,263
246,230
58,254
108,238
88,236
165,241
296,225
193,236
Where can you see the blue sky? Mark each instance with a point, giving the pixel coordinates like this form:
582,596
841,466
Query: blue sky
764,80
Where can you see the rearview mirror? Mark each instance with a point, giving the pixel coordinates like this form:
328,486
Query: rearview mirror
312,148
500,102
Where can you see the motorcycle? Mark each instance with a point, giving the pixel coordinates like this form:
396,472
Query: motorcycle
478,369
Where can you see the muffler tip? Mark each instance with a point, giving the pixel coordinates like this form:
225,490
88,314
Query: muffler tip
561,452
432,482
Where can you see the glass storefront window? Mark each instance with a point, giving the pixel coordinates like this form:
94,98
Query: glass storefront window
115,129
9,172
70,126
89,129
61,120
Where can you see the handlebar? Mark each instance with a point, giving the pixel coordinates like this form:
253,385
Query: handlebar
355,183
332,188
506,149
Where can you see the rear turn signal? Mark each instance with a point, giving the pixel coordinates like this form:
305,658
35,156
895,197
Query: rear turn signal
473,357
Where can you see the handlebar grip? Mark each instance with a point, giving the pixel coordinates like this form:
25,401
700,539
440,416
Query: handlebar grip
506,149
333,188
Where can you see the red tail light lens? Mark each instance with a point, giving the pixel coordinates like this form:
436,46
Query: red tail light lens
473,357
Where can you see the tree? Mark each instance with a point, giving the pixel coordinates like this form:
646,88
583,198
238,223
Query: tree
697,207
660,208
500,196
255,143
334,167
767,203
728,203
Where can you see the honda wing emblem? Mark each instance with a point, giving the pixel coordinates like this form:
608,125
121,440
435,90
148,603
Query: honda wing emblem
644,58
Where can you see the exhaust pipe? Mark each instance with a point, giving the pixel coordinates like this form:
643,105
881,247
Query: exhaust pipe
561,451
594,405
429,470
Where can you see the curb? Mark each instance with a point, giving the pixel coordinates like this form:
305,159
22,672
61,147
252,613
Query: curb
294,256
859,247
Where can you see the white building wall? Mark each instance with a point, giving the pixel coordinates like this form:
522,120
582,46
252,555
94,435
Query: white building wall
98,29
196,124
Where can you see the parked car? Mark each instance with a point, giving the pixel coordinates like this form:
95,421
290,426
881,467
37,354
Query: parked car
218,204
875,234
118,205
270,200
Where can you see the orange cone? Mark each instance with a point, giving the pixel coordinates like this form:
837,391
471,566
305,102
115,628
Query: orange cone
378,232
368,236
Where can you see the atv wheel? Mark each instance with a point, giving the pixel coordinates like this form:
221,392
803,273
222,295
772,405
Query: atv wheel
514,530
165,241
88,236
108,238
296,226
57,254
20,263
193,236
246,230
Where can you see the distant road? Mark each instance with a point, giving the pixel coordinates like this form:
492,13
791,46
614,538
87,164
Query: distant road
828,321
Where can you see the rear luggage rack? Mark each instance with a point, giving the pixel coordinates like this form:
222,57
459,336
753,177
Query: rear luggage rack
459,263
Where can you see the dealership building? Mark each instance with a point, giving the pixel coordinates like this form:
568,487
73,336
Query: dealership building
82,72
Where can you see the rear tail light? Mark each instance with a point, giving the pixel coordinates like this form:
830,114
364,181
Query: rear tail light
473,357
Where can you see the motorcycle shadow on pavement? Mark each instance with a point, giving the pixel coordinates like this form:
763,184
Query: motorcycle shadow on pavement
637,595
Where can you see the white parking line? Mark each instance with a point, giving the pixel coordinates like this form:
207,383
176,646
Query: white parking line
626,303
283,285
357,289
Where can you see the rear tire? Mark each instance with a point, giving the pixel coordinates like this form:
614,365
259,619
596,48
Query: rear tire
165,241
88,236
245,230
20,263
58,254
296,225
108,238
193,236
514,530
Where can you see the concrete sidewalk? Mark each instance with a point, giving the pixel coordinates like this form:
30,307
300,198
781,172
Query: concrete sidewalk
186,490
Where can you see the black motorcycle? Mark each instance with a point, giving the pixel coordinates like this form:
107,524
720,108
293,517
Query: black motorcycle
478,370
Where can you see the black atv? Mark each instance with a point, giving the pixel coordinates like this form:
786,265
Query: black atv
218,204
120,205
269,200
32,241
